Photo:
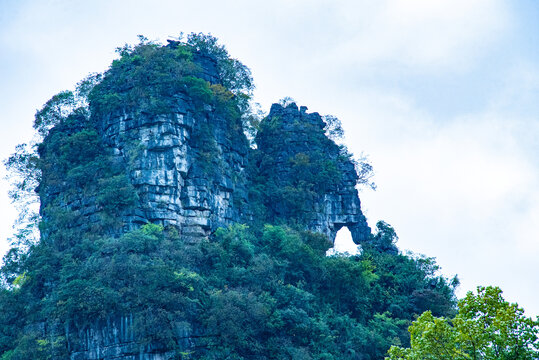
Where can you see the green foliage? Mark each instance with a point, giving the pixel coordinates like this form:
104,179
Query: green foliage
54,111
486,328
34,346
25,175
233,74
306,173
385,238
137,273
144,78
115,194
23,167
248,292
333,128
147,77
364,170
74,161
266,293
64,104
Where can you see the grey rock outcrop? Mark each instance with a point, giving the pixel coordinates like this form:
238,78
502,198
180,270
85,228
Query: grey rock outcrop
290,132
179,183
114,338
192,168
187,165
189,168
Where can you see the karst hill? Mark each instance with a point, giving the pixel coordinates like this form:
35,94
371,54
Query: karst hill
177,224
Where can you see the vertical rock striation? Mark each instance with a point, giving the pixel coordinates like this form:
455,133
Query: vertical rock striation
187,166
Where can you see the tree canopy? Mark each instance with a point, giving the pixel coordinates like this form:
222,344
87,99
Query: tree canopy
486,328
249,293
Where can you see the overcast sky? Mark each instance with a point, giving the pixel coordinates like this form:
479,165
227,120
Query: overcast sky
442,95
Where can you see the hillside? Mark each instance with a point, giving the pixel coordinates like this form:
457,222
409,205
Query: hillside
176,224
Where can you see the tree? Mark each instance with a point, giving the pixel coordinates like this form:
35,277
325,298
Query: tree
486,327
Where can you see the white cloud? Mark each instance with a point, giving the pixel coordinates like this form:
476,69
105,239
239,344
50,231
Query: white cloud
463,189
422,35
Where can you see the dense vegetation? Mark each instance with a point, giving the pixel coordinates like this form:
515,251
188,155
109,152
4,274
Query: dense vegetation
486,327
255,291
147,77
266,293
309,163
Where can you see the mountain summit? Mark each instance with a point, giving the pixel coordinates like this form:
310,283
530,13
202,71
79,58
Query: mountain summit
175,223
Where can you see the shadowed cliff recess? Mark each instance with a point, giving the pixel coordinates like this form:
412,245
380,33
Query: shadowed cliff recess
176,223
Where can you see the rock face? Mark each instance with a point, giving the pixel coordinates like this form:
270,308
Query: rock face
192,168
115,339
187,167
289,143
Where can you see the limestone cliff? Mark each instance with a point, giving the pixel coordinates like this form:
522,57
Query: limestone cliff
167,233
187,166
191,167
295,154
185,158
174,153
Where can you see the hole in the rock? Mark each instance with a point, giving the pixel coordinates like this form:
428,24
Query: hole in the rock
344,245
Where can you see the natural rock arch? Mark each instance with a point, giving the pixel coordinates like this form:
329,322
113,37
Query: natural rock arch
344,244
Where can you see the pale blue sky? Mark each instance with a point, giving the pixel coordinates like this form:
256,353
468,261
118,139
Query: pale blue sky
443,96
